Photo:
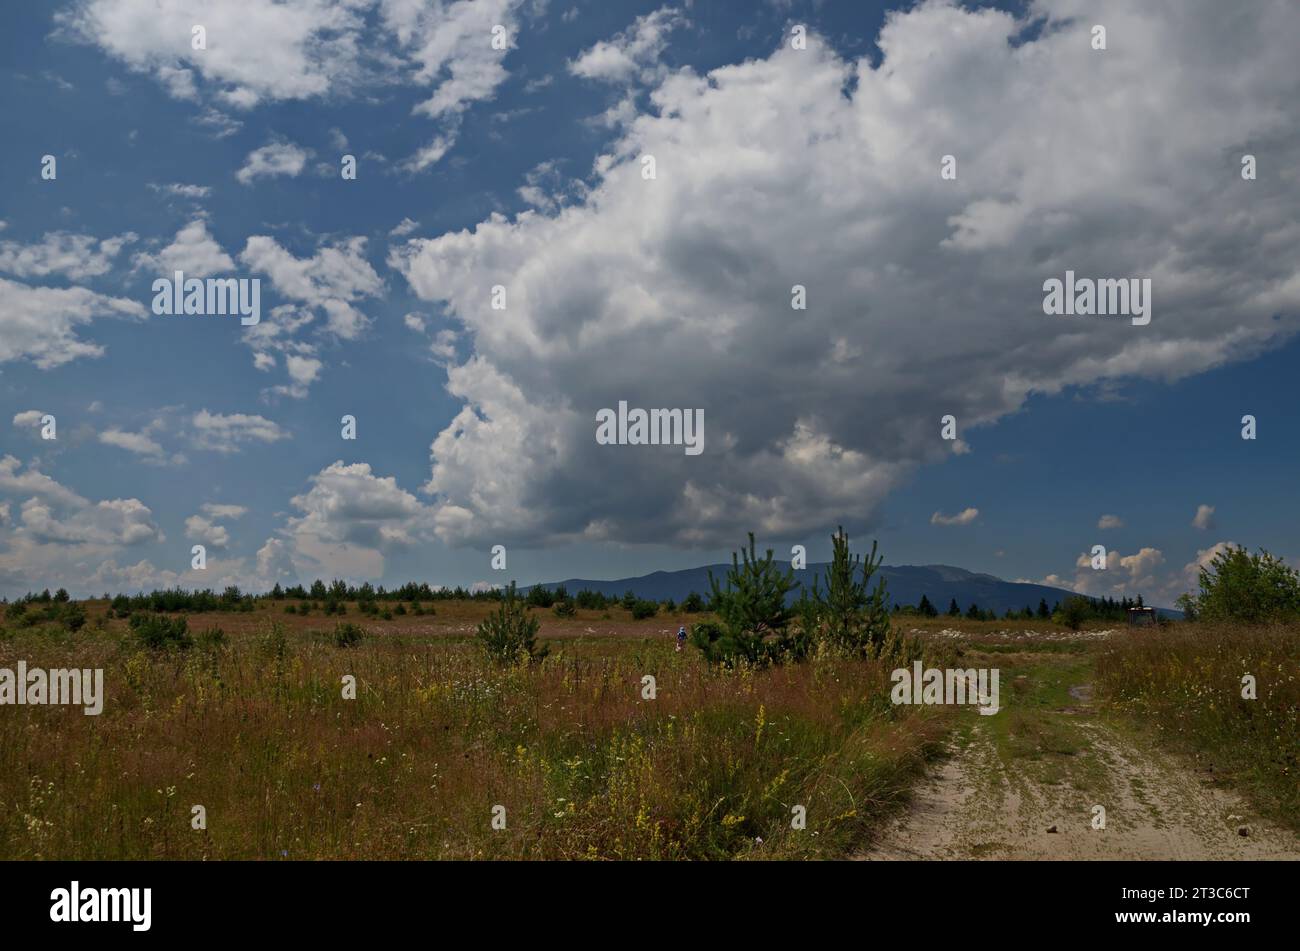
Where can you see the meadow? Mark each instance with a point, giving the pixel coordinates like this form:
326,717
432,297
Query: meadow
1184,685
251,723
253,726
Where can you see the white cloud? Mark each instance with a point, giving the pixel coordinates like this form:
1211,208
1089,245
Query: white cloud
206,531
177,190
1110,521
256,49
275,158
231,431
805,168
205,528
193,251
332,279
140,443
218,123
964,517
1192,570
220,510
28,419
57,532
404,227
350,520
39,323
632,54
74,256
429,154
450,46
1204,518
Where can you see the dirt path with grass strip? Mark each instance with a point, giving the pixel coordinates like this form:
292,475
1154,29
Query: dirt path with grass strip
1023,784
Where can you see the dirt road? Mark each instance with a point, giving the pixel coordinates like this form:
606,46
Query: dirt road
1026,784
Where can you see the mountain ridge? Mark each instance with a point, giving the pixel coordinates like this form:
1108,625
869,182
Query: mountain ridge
905,584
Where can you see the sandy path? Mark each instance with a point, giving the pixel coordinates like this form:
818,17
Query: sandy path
978,805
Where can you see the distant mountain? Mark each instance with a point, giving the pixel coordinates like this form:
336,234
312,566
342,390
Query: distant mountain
905,584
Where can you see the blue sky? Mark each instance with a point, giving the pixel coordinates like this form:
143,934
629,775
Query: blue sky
777,165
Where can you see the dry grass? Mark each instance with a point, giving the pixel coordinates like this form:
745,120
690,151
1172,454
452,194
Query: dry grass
1185,683
258,733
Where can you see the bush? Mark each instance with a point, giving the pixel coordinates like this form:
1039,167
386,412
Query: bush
211,638
509,634
347,634
159,632
1239,586
565,609
1074,612
72,616
644,609
539,597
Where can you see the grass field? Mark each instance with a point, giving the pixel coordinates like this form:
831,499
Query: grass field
256,730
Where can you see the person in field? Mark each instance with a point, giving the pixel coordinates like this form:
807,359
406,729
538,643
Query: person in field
681,637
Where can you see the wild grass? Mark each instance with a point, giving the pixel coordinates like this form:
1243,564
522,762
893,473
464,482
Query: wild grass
253,726
1185,684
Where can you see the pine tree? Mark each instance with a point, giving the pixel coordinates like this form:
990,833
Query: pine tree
509,634
925,608
752,614
953,609
852,617
1043,611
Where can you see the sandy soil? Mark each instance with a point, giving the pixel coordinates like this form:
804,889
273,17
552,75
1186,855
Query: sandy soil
978,805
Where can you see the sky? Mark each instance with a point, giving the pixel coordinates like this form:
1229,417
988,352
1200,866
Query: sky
504,264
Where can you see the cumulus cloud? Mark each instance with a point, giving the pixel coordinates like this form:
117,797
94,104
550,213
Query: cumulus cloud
404,227
632,54
39,323
193,251
56,531
964,517
256,49
350,519
807,168
276,158
450,47
140,443
1204,517
273,50
332,279
60,253
1110,521
1192,570
230,432
204,528
28,419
